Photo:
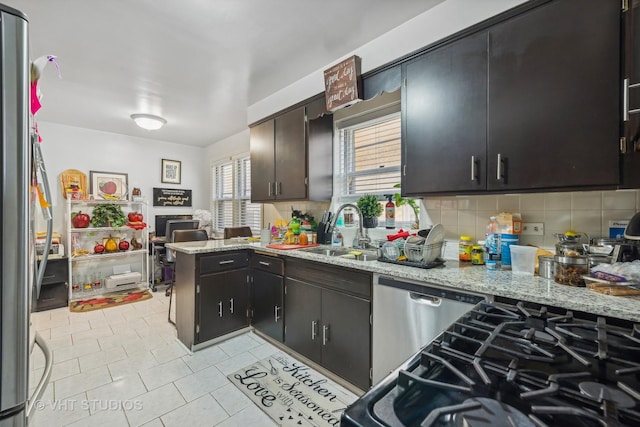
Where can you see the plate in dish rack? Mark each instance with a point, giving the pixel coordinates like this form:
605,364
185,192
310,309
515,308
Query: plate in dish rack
433,244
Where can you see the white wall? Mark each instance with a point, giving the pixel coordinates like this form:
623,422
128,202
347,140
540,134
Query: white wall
437,23
228,147
67,147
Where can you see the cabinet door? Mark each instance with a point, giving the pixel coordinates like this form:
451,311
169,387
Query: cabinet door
444,119
263,170
237,304
345,334
290,155
224,300
554,97
631,158
268,296
302,314
213,294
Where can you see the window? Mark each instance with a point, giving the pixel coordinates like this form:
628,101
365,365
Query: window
232,205
371,156
370,162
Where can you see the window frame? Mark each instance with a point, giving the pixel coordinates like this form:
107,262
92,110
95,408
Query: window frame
240,194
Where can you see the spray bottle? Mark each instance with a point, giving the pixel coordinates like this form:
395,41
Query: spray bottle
389,212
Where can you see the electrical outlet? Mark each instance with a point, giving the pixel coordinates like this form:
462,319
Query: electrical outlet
533,229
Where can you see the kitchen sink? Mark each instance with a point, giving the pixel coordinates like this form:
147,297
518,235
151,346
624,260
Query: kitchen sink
351,253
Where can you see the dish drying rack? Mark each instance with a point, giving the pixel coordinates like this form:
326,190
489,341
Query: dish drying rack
416,257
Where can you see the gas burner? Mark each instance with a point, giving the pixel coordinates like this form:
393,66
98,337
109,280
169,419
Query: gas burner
601,392
479,412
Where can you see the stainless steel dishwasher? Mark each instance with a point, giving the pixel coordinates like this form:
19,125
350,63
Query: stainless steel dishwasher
409,315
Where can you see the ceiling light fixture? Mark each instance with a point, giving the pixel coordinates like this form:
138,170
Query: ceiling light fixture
148,121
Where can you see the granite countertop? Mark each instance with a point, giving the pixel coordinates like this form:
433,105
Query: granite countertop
475,279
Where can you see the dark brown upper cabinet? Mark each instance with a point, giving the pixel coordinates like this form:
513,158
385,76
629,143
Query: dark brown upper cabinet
444,111
291,156
529,102
554,97
631,97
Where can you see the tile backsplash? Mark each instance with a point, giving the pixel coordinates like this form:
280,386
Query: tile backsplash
588,212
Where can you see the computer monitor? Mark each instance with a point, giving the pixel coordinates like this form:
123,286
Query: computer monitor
161,222
179,224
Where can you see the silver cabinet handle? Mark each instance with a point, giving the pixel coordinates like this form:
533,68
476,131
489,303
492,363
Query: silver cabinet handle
231,305
265,263
499,168
275,313
313,329
625,100
278,188
220,308
269,184
229,261
626,112
473,168
325,334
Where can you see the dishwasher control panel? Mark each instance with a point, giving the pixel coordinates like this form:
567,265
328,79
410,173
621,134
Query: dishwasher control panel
431,290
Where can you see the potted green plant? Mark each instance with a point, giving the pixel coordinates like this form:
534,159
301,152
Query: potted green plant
400,201
108,215
371,209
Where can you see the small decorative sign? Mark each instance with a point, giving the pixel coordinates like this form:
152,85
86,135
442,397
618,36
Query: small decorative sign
171,197
342,84
171,171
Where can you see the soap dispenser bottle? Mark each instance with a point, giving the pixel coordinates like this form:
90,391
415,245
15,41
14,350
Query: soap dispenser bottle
390,213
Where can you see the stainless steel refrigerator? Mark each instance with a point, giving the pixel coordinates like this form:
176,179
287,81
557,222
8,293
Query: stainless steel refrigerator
18,275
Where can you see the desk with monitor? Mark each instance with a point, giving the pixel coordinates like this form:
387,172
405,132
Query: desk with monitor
165,225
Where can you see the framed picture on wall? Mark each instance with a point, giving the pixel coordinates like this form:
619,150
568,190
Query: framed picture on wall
108,185
171,170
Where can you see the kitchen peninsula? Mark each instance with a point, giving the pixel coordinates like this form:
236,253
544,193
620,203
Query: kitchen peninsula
469,278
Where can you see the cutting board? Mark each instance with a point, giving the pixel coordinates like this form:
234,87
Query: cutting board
284,247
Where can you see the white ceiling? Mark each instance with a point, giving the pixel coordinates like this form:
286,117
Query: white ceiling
197,63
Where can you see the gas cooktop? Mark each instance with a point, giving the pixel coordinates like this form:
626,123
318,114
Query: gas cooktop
514,365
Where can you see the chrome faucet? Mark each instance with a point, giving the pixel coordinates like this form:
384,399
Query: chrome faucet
361,240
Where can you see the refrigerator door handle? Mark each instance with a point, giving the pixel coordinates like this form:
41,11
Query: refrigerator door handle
46,375
47,211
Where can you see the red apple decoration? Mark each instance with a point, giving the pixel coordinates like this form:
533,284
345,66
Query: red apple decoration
108,187
80,220
98,248
135,217
123,245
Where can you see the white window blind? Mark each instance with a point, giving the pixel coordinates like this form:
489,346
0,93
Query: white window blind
371,162
232,205
371,157
247,213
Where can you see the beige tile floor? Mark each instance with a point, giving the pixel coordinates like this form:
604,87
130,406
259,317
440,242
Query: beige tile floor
123,366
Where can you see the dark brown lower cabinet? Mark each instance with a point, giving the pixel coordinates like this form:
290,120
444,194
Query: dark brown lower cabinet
345,333
212,295
268,298
224,299
327,312
303,312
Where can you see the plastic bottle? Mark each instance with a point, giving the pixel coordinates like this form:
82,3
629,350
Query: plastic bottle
464,248
336,237
294,224
390,212
493,244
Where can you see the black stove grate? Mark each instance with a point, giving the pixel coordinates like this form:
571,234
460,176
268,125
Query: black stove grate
534,365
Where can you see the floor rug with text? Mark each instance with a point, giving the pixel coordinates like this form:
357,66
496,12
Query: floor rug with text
291,393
